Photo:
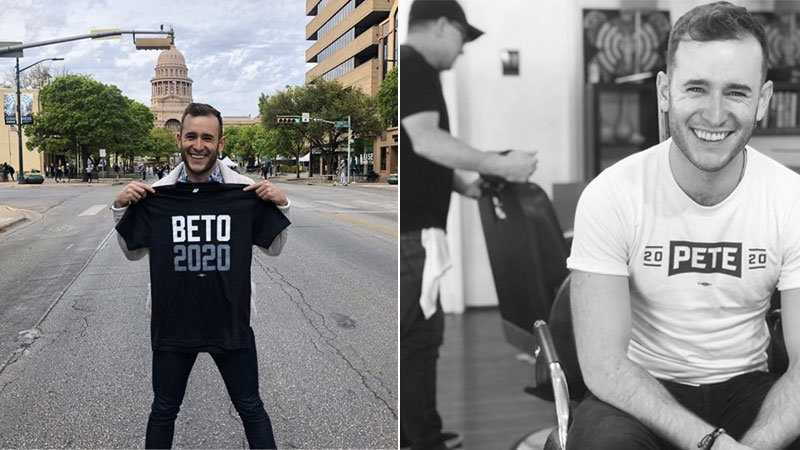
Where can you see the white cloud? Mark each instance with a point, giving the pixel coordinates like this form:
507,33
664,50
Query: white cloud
235,50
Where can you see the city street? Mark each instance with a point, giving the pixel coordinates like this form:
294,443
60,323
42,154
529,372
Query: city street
75,338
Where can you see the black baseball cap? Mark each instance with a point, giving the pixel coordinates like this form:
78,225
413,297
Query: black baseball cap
422,10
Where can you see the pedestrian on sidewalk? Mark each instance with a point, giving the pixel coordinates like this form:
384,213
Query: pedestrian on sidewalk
59,175
144,172
5,172
210,312
89,168
343,173
116,172
11,172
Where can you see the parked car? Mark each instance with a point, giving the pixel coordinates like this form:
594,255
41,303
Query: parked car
393,178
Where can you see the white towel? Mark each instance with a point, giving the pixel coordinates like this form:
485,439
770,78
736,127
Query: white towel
437,261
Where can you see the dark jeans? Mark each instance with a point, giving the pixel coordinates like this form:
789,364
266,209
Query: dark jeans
420,340
732,404
239,370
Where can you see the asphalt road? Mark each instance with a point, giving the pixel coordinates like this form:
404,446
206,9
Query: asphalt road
326,327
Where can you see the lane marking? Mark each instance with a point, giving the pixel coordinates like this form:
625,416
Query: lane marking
92,210
363,223
69,246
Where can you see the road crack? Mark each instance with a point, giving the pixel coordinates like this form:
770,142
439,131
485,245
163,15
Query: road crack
327,334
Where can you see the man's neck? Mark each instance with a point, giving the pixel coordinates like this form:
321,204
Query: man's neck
422,45
201,178
706,188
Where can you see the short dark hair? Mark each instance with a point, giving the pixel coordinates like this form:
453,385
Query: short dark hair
201,109
718,21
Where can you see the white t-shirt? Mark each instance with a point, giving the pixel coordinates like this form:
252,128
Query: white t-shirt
700,277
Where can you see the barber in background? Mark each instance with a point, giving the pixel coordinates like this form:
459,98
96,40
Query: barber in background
434,165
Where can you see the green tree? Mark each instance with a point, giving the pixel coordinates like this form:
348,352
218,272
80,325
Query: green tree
326,100
160,144
136,132
79,116
245,142
387,99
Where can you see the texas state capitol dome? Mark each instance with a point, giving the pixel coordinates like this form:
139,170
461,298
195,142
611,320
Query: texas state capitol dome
171,89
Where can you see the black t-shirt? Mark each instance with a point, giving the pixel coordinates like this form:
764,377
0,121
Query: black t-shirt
426,186
201,238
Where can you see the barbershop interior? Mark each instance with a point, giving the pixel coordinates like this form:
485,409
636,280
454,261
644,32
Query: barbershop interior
575,81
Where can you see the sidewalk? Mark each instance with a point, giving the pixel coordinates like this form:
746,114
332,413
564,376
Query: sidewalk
73,182
10,216
320,180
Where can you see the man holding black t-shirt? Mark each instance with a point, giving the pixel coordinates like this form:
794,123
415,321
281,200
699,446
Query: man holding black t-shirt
435,164
204,219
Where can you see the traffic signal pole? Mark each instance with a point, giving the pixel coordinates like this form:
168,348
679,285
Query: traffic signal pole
349,138
294,118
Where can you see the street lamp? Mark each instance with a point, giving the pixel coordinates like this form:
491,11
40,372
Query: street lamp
21,173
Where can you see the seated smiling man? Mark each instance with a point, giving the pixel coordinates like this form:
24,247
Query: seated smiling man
677,251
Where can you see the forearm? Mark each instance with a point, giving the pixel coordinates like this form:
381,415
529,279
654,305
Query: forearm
778,420
630,388
439,146
467,183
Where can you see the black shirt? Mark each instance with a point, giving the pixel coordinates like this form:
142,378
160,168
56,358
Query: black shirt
426,186
200,238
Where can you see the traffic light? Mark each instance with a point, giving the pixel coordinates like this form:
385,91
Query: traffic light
288,120
163,43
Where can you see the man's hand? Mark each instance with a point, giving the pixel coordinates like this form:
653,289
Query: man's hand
268,192
132,193
515,166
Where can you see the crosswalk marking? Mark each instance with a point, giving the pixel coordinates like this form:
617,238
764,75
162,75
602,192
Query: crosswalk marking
92,210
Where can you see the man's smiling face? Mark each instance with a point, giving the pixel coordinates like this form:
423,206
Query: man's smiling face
716,95
200,144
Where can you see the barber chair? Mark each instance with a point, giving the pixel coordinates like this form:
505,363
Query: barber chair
527,254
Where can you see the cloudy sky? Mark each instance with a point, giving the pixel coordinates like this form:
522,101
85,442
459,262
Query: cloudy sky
234,49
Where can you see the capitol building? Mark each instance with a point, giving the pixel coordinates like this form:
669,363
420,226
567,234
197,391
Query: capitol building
171,93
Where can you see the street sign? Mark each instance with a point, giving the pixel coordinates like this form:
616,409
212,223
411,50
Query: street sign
306,117
340,123
14,54
102,152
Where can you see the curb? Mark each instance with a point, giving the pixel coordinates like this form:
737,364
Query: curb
8,223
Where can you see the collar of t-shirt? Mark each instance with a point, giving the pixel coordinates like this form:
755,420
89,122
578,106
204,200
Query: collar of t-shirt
216,176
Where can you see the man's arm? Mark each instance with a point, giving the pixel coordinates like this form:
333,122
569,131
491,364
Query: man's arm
778,420
601,314
467,183
435,144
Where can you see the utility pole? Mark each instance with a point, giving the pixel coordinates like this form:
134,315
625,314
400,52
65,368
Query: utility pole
21,172
349,139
